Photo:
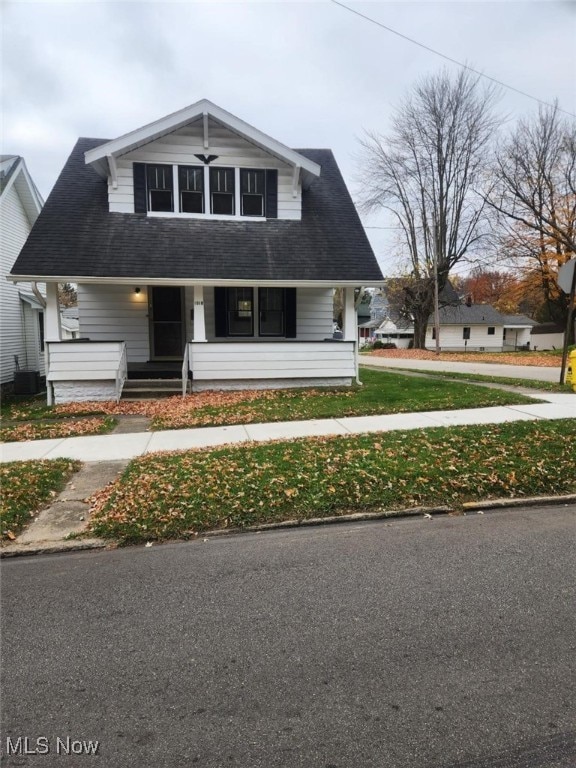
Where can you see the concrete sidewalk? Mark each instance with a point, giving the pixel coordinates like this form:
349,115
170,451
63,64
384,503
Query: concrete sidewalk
104,457
121,447
531,372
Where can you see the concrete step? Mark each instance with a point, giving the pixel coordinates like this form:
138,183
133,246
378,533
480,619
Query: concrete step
151,389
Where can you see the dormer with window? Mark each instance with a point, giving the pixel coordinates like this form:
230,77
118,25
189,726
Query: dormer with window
203,162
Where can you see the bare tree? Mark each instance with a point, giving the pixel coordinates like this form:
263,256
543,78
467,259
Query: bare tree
536,195
426,172
536,171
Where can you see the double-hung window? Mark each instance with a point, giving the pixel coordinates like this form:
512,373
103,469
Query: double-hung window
240,311
466,333
271,320
191,186
262,312
252,192
213,191
222,191
160,185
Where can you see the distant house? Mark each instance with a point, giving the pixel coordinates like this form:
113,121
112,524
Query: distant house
200,246
479,328
22,305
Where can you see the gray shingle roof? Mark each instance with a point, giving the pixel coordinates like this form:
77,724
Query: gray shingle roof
476,314
510,320
76,236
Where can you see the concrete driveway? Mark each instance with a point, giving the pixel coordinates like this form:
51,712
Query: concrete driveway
533,372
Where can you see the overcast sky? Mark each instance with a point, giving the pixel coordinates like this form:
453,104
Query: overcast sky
310,74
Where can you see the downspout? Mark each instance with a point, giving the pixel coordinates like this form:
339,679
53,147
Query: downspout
36,292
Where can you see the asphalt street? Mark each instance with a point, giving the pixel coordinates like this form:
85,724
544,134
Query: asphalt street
416,643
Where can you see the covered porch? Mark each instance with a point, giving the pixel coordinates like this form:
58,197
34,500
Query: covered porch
121,331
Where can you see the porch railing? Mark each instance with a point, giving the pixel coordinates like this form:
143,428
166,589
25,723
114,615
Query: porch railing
85,361
245,360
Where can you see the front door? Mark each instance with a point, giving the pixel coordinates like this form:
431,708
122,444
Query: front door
166,323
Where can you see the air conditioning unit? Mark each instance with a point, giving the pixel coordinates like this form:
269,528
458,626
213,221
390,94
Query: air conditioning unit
26,382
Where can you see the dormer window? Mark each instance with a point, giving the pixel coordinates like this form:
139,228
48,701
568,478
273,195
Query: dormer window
222,191
191,183
160,187
205,191
252,191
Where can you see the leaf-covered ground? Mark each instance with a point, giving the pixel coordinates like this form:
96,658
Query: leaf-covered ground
38,429
544,359
26,487
173,495
382,392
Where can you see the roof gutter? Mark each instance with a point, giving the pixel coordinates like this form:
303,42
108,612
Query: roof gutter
140,280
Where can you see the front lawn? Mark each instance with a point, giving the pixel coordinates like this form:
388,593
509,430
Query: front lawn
381,392
26,487
41,429
164,496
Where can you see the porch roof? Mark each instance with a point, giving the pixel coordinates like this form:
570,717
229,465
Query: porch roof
77,237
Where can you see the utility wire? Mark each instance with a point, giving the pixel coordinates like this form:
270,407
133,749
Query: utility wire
453,61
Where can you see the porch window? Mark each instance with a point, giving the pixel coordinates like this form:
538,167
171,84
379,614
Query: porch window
252,192
240,314
222,191
235,311
191,183
271,312
160,183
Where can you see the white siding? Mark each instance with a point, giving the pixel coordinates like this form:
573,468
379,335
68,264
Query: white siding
547,341
181,147
14,229
314,313
451,337
115,313
272,360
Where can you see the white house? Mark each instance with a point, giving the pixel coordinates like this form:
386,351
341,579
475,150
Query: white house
479,328
22,310
199,245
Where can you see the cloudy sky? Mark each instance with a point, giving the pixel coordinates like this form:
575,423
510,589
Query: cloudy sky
310,74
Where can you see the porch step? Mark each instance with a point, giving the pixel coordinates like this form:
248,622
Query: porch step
151,389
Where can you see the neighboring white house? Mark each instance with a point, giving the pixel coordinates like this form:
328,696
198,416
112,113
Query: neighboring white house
479,328
22,310
200,244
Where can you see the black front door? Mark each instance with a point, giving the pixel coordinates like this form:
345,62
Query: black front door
166,323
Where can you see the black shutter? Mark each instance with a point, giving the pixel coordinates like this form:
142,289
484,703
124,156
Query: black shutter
271,194
220,324
140,205
290,309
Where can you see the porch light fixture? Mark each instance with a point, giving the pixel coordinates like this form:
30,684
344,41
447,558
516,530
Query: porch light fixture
137,290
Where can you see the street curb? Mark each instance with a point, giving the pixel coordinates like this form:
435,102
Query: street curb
400,513
54,547
472,506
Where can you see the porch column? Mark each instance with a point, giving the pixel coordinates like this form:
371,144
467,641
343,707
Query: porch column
52,331
52,326
349,319
199,318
